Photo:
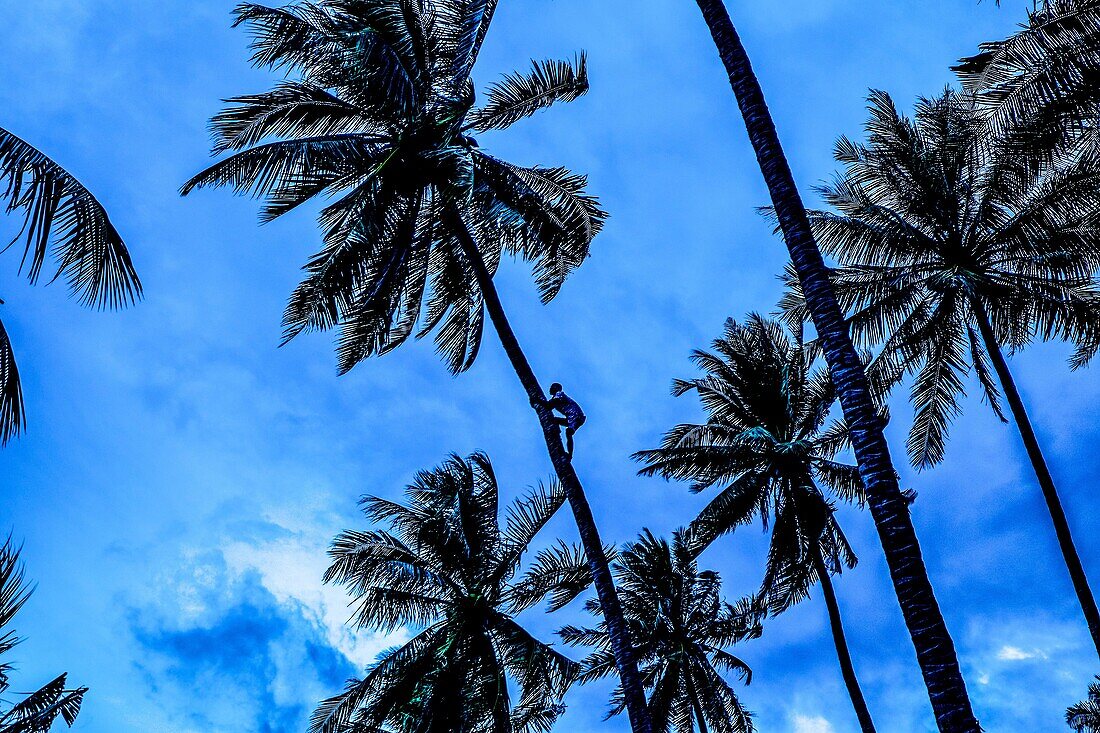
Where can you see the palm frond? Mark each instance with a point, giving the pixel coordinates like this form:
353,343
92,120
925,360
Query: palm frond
523,520
37,712
935,394
543,215
265,170
1084,717
560,571
90,254
363,50
12,417
521,95
292,109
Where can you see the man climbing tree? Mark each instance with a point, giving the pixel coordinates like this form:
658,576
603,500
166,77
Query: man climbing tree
572,414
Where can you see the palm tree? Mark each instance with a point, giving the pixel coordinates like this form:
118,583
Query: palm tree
447,566
38,711
381,118
87,249
953,250
1084,717
683,628
936,655
768,445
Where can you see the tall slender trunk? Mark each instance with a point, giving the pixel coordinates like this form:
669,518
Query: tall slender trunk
847,669
1042,473
621,645
935,650
696,705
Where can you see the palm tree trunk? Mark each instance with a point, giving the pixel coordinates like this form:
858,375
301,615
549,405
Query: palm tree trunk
695,704
1042,472
935,650
621,645
847,669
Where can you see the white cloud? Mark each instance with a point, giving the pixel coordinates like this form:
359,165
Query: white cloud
807,724
291,568
1015,654
259,581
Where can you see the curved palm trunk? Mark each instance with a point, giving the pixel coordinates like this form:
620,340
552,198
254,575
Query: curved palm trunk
935,650
1042,473
847,669
621,645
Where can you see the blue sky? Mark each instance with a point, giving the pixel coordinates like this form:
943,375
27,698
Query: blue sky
182,476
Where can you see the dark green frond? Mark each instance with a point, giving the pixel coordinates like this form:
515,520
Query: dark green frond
560,571
523,520
291,109
936,391
59,211
266,170
365,51
12,418
37,712
14,592
543,215
521,95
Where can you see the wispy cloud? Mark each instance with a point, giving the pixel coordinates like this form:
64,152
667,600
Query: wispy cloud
1015,654
1028,669
806,724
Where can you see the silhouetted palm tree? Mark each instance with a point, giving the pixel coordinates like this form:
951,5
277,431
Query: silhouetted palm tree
682,628
381,118
953,250
38,711
768,444
447,566
1084,717
935,650
87,249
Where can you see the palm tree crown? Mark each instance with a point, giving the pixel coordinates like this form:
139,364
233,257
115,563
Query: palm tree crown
446,567
88,251
381,118
682,628
768,443
38,711
952,247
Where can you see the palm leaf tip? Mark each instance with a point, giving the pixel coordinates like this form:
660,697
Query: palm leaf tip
61,212
12,414
520,95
